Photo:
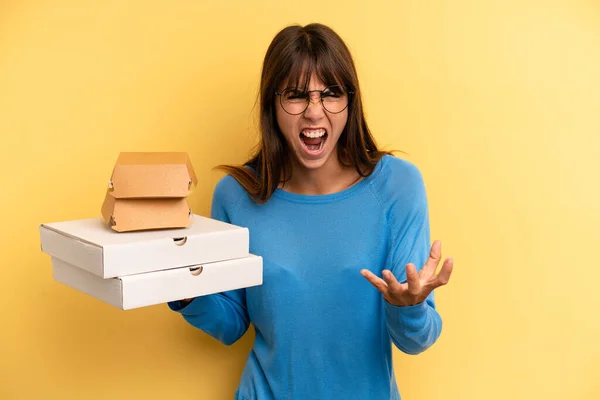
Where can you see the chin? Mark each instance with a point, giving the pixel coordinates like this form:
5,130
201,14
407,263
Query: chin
313,163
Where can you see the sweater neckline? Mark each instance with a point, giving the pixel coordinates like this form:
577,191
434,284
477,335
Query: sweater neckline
330,197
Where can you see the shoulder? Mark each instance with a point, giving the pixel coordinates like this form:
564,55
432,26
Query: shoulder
399,183
226,198
228,190
397,168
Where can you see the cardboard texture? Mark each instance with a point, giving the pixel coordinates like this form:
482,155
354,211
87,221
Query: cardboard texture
126,215
148,190
152,288
91,245
152,175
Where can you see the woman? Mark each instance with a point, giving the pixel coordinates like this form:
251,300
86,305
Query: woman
324,206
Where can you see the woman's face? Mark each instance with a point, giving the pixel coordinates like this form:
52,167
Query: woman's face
312,136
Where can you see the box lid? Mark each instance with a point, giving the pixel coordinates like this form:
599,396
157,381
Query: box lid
91,245
152,175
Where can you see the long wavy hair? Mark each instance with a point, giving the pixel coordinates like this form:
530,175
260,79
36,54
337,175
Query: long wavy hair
293,56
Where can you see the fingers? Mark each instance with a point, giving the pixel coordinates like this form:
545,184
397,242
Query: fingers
412,279
376,281
435,255
389,278
444,275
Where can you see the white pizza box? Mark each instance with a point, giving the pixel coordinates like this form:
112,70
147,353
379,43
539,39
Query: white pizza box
91,245
151,288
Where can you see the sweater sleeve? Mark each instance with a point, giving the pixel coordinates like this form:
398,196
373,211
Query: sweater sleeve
224,316
413,329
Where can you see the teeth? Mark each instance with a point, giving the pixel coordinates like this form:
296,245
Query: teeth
314,134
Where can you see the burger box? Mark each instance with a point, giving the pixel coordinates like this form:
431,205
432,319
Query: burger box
140,290
148,190
93,246
152,175
128,215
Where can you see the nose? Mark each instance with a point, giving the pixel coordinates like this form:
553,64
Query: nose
315,110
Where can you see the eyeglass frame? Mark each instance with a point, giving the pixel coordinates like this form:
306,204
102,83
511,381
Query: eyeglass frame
349,93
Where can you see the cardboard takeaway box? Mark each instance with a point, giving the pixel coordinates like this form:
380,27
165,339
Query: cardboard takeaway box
136,269
149,190
140,290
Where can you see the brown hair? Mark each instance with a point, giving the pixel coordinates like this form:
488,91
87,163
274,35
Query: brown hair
293,56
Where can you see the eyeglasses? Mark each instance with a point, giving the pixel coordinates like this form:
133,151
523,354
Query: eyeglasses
295,101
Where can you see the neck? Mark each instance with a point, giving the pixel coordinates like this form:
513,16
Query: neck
332,177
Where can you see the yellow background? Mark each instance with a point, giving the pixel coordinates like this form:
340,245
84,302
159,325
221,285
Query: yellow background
497,102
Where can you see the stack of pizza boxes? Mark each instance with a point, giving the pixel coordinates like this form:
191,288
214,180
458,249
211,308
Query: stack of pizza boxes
147,247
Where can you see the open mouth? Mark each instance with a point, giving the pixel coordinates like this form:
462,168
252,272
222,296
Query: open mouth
313,140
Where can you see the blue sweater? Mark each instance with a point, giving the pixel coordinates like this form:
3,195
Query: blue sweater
322,330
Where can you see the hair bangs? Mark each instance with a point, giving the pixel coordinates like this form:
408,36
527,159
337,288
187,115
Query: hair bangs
307,62
329,70
298,71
